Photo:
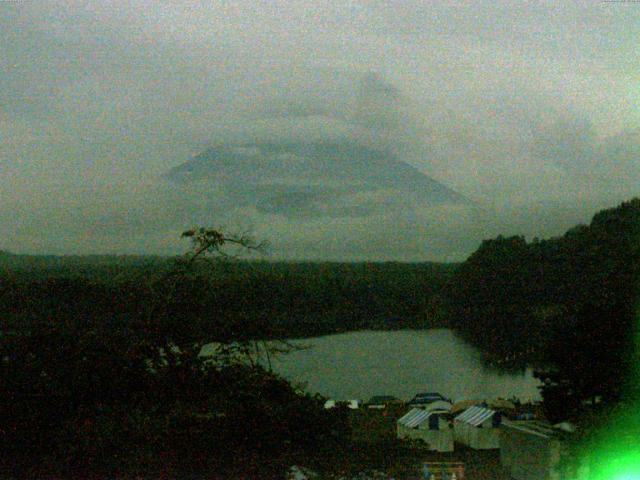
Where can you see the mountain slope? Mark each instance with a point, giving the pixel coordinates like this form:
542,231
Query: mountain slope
312,179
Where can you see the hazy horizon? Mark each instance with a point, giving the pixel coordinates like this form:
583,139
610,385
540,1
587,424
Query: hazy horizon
530,110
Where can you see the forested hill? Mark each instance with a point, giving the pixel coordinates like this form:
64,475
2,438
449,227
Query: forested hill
569,300
264,299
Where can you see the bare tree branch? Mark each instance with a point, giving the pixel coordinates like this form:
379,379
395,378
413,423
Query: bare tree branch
212,240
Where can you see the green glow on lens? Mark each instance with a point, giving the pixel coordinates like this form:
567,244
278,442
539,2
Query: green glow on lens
614,452
621,468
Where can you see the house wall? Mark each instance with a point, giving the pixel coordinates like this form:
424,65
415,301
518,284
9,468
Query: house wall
437,440
527,456
486,438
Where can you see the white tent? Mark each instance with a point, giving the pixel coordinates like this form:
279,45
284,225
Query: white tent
430,427
477,427
329,404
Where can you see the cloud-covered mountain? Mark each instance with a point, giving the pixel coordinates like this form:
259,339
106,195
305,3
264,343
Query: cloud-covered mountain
312,179
537,122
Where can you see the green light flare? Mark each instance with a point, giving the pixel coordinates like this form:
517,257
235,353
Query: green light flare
626,467
614,453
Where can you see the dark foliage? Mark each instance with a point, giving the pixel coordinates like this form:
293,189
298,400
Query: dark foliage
567,304
263,299
104,379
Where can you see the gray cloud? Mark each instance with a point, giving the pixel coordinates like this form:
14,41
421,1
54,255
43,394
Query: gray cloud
530,110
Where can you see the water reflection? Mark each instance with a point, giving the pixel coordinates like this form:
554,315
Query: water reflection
400,363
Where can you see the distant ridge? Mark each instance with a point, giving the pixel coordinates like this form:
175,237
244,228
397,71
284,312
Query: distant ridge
279,177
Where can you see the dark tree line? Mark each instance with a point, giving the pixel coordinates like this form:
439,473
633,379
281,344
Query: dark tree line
101,374
107,381
266,299
568,304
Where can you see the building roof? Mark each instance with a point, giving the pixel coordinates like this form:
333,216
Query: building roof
441,405
463,405
380,399
501,404
414,417
536,427
475,415
426,397
417,416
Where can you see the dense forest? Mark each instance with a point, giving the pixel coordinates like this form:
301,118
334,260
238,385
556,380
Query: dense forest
567,304
102,377
268,299
101,373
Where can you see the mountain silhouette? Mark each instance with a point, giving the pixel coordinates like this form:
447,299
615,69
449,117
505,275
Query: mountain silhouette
312,179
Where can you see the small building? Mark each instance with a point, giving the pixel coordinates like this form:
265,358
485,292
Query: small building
439,406
443,470
478,428
430,427
502,405
531,450
462,405
329,404
424,399
382,401
351,404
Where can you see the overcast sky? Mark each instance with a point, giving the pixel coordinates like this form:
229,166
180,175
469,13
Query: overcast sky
529,109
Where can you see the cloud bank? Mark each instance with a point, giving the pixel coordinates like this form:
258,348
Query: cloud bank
530,111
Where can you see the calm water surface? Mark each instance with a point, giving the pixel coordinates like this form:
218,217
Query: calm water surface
400,363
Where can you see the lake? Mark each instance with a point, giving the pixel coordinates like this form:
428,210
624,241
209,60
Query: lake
400,363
